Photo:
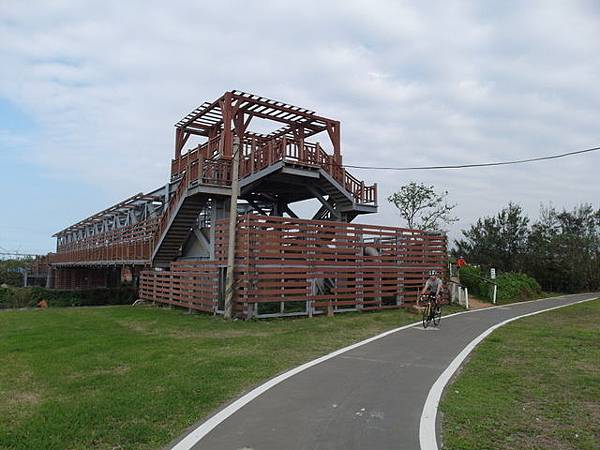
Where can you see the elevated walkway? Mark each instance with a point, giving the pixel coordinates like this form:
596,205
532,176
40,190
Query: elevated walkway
277,169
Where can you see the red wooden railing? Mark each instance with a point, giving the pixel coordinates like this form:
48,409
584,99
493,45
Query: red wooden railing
197,171
203,165
137,242
128,243
258,155
208,150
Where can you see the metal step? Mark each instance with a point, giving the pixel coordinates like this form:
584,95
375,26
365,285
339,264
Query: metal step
174,237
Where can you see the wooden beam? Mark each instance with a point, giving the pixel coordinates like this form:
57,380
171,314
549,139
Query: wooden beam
281,107
324,202
226,108
178,142
333,129
213,105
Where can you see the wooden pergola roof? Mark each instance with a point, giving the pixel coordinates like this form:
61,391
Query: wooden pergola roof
209,116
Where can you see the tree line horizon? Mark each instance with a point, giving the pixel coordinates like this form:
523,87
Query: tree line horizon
560,248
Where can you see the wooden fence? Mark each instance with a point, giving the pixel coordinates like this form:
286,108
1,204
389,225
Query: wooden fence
193,285
305,267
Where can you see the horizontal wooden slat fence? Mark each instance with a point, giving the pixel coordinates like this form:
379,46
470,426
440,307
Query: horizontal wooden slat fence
189,284
295,266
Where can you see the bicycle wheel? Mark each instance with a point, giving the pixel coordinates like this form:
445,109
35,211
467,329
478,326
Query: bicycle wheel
426,314
437,315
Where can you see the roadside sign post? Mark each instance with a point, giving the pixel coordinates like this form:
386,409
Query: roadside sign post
495,286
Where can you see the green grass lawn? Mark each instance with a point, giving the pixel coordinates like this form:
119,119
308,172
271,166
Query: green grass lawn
532,384
135,378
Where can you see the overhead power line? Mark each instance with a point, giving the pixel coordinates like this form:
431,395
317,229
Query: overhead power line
467,166
18,255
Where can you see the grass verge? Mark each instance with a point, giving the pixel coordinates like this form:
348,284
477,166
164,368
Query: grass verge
135,378
532,384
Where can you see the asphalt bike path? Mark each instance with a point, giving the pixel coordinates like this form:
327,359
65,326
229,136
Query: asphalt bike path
369,397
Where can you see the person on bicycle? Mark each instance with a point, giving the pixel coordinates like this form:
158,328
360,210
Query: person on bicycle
433,286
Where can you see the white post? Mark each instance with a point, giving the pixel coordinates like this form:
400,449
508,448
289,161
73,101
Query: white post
494,289
466,298
235,187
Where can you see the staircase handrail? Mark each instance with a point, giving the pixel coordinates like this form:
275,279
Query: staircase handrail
171,205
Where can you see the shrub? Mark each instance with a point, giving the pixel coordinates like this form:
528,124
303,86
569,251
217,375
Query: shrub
28,297
517,286
511,285
11,278
470,276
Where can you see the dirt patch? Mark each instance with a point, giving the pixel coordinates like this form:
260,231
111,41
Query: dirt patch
149,329
546,441
218,334
593,409
476,303
23,398
144,328
117,370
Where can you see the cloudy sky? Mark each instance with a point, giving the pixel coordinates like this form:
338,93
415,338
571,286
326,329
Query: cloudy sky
89,93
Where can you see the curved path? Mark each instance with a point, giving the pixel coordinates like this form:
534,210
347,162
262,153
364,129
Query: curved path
370,396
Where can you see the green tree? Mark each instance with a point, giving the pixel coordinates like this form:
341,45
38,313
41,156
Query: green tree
561,250
564,249
422,207
9,270
499,241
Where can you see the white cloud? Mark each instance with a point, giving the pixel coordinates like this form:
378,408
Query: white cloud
412,83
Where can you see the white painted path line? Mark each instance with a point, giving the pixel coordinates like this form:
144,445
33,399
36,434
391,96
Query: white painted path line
427,431
206,427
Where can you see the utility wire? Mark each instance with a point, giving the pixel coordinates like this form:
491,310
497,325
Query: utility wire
19,254
466,166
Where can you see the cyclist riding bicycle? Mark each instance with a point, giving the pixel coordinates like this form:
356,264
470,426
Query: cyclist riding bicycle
432,311
433,286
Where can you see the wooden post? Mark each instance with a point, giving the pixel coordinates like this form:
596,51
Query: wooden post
226,108
178,144
235,187
252,155
329,309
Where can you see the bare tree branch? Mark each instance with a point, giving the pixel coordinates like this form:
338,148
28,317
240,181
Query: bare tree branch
422,207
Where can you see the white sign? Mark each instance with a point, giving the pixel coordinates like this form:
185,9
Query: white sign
493,273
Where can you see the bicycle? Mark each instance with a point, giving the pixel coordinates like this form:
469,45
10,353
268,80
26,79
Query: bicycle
432,312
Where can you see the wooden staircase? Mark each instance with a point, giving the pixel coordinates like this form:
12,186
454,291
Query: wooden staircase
185,216
268,170
199,181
